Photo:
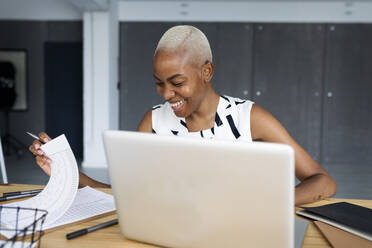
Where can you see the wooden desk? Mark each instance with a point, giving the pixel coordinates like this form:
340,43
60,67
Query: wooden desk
112,237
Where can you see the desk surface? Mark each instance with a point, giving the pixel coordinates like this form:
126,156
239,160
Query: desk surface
113,237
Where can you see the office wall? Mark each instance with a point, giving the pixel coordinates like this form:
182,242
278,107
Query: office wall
313,78
31,36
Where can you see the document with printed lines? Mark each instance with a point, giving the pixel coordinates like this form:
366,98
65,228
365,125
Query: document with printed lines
61,197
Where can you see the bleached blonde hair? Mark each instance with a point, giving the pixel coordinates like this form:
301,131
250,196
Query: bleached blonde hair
186,38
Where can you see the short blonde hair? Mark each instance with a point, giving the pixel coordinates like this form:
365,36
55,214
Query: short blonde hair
186,38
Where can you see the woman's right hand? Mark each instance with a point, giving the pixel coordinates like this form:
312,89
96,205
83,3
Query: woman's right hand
42,160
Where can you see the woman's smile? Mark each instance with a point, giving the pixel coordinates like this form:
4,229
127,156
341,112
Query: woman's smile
177,106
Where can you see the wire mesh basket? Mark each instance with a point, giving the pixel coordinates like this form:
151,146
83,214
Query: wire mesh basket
21,227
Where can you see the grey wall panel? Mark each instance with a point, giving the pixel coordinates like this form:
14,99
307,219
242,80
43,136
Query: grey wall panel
347,129
288,60
28,35
233,65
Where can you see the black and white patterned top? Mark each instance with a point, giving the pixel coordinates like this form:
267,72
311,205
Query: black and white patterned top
232,121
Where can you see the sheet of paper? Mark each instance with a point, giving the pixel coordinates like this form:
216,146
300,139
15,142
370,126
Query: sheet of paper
58,194
88,203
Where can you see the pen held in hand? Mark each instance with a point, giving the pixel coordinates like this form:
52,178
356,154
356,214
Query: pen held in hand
91,229
35,137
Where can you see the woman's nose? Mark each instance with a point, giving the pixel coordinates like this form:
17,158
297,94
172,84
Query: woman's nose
168,94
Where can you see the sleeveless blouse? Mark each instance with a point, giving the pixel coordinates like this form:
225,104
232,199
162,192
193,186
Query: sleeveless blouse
232,121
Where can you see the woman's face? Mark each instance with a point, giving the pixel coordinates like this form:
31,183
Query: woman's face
179,81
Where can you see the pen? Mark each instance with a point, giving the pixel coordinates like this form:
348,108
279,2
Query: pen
35,137
91,229
6,198
22,192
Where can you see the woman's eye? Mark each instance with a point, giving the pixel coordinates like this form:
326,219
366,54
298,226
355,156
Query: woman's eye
178,84
160,84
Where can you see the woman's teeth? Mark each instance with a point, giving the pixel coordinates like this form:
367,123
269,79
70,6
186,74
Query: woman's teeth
177,104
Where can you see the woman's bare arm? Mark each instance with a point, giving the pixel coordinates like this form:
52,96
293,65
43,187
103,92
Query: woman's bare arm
316,183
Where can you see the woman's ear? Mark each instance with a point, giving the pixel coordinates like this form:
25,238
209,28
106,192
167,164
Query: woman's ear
207,71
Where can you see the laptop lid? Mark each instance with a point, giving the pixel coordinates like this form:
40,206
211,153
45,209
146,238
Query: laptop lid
185,192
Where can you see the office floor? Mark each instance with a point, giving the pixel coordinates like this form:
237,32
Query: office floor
354,181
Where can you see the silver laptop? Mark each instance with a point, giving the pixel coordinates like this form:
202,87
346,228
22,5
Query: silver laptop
196,193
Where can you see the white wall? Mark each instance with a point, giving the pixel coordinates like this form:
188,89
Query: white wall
247,11
38,10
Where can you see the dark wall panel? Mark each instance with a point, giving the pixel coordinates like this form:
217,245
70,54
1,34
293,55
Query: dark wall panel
347,127
233,60
64,91
288,61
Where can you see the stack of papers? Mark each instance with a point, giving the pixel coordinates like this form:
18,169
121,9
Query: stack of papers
61,198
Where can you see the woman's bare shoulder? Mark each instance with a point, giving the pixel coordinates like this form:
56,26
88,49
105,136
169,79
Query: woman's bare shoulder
264,126
146,123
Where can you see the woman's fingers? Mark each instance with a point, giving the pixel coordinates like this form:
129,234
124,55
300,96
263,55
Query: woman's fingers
44,137
35,148
44,163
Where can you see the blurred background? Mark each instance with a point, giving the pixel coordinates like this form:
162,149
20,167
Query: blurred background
79,67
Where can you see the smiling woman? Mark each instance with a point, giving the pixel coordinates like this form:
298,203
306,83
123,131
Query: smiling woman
183,72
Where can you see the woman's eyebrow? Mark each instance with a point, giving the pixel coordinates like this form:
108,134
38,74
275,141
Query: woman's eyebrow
173,76
156,77
170,78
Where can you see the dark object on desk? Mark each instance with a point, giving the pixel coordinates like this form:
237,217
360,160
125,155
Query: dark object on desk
91,229
341,239
347,216
7,198
35,191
